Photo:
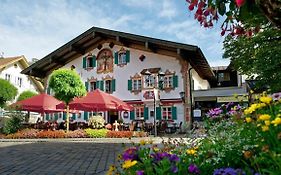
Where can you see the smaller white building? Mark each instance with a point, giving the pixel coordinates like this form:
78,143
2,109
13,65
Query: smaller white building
10,69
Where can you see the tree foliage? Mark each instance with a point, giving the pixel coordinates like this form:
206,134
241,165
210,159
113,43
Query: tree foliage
66,84
25,95
7,92
236,14
258,57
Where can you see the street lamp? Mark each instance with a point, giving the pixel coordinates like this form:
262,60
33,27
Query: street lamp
157,82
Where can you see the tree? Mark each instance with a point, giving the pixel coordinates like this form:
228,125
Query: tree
7,92
237,14
66,84
25,95
258,57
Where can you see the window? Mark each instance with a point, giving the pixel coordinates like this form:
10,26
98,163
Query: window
90,62
168,81
149,81
122,58
136,84
223,76
7,77
167,113
19,83
139,112
93,85
108,84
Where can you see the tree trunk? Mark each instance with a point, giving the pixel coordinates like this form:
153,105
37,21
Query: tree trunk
67,118
272,10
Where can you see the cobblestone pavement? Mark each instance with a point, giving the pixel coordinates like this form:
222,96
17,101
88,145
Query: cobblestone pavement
57,158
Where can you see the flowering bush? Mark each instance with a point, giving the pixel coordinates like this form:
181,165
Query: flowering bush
119,134
97,122
96,133
237,143
51,134
76,134
24,134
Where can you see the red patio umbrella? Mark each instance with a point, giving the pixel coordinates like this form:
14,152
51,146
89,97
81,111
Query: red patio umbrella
98,100
42,103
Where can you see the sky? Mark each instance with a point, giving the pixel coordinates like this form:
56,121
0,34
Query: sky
35,28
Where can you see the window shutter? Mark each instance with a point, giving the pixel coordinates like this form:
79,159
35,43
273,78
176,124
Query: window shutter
86,115
94,60
113,85
47,117
98,84
101,85
56,116
74,116
158,113
127,56
175,81
174,113
87,85
64,116
161,85
129,85
84,63
132,115
116,58
145,113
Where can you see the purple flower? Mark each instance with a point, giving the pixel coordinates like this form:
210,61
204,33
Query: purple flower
193,169
174,169
140,172
174,158
130,154
228,171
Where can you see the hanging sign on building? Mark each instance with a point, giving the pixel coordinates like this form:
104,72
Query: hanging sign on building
240,98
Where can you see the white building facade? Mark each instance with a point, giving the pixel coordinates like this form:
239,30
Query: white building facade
117,63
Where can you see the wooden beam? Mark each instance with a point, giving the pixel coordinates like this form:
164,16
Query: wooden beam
77,48
93,34
117,39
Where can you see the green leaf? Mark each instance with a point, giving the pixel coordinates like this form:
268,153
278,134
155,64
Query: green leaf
221,8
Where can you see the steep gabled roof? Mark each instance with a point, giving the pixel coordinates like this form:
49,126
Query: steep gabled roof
94,37
4,62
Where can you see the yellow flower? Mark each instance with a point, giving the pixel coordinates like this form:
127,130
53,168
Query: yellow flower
264,117
267,122
251,91
142,142
248,119
276,121
191,151
111,169
129,163
156,149
265,128
266,100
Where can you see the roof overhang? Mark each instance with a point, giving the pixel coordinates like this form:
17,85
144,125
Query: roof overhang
94,37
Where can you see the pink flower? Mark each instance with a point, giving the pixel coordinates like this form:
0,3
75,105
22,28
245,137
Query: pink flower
239,3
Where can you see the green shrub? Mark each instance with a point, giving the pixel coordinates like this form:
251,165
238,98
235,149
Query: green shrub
13,124
97,122
96,133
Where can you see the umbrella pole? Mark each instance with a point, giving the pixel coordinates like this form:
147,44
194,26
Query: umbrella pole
67,118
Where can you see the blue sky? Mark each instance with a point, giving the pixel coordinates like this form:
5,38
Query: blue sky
35,28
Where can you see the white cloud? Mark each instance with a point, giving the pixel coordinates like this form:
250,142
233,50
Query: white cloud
168,9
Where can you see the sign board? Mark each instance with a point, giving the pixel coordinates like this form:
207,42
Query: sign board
232,99
197,113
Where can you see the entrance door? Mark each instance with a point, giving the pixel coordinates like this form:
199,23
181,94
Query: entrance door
112,116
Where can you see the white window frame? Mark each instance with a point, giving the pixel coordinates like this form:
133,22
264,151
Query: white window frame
122,58
166,110
136,84
8,77
19,82
92,88
168,81
139,112
108,88
149,81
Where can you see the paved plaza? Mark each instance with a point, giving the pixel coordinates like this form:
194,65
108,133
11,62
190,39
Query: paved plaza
57,158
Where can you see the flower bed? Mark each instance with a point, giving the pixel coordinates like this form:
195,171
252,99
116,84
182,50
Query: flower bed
239,141
119,134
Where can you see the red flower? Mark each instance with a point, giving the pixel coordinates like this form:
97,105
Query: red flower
239,3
